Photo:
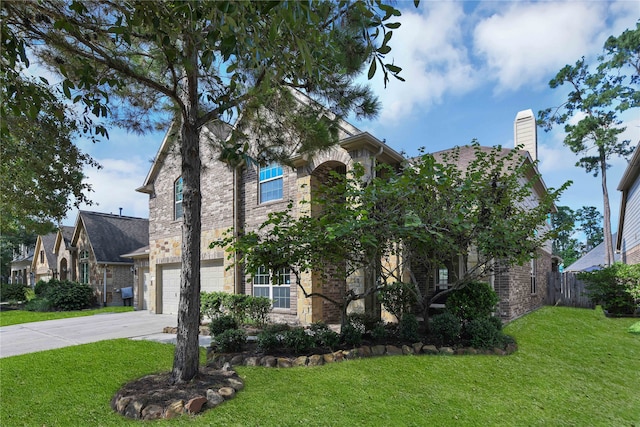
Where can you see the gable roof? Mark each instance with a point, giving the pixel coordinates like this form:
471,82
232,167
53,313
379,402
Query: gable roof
45,243
467,154
592,260
64,234
110,235
629,177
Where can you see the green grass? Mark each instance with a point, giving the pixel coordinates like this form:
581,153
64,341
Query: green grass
15,317
574,367
635,328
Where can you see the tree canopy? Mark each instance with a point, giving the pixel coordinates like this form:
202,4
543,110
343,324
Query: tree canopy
598,94
200,62
428,215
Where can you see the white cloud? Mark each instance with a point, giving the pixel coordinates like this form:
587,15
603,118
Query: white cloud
526,42
429,48
114,187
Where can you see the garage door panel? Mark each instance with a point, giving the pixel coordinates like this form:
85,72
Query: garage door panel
170,289
212,276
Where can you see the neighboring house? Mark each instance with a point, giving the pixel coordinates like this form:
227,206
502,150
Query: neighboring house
244,198
65,254
141,277
628,241
593,260
43,265
21,266
98,242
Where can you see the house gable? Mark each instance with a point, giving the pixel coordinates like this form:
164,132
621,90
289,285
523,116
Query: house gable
628,239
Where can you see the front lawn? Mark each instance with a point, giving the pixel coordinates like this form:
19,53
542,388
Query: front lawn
15,317
573,367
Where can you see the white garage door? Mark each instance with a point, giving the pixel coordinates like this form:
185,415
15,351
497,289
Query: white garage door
212,276
170,288
211,280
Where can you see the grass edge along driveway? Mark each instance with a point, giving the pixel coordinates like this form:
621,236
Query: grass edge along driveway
18,317
573,367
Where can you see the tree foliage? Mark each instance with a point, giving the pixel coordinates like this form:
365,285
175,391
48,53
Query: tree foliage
591,225
597,95
214,63
415,220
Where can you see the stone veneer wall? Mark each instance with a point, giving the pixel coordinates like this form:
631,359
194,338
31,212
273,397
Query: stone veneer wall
632,256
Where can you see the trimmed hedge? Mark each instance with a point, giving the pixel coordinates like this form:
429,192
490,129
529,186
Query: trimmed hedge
13,292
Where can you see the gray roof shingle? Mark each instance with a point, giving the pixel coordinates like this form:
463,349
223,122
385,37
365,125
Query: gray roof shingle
113,235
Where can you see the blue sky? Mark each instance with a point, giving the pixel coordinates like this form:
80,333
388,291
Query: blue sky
469,68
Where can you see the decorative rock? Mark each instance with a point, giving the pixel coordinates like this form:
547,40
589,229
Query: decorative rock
134,408
227,392
351,354
195,405
392,350
315,360
338,356
447,351
430,349
216,360
300,361
214,398
269,361
378,350
364,351
511,348
328,358
407,350
252,361
152,412
235,383
236,360
499,351
122,403
283,362
175,409
417,347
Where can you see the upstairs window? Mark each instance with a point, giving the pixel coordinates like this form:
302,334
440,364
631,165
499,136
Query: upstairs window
270,183
177,197
84,273
41,257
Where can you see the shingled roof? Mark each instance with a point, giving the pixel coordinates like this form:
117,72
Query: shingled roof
48,241
111,235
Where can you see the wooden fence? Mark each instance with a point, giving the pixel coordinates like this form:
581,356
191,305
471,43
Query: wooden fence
565,289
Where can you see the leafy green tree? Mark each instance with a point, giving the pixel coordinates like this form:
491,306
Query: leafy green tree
598,96
591,225
415,220
214,63
565,245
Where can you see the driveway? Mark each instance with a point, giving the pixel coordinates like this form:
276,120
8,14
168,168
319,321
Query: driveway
50,334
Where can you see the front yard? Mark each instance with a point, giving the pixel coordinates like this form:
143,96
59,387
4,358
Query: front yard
573,367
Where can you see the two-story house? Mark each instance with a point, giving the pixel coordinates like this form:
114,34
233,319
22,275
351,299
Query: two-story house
242,198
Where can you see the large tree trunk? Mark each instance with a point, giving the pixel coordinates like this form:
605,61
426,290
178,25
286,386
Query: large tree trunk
187,355
608,239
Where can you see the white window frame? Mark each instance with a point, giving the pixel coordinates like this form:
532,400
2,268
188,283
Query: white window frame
84,273
270,175
264,281
178,211
533,272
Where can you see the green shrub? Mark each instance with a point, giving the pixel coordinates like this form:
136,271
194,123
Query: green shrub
40,288
13,292
222,323
483,333
298,340
324,336
380,332
476,300
229,341
350,335
363,322
446,328
408,328
38,304
211,304
497,322
257,310
269,340
616,288
68,296
236,306
397,298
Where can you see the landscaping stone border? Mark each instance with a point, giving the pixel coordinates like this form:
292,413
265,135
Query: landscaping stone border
217,360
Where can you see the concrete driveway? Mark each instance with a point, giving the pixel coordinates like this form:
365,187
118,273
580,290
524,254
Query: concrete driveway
50,334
